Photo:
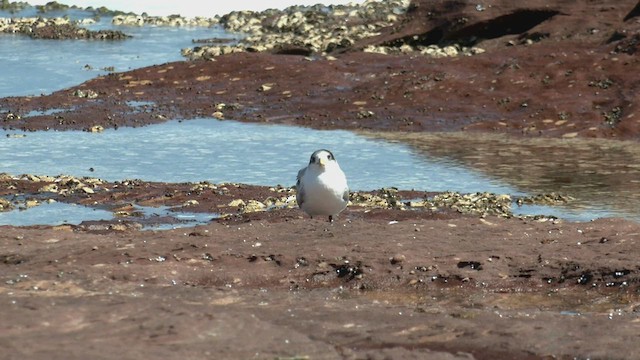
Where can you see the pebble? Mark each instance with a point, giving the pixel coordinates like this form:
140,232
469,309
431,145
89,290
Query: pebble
396,259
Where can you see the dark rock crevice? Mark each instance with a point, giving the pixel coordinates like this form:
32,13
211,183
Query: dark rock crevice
458,31
515,23
633,13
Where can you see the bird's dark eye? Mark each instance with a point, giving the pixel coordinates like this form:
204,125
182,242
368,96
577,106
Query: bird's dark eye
330,157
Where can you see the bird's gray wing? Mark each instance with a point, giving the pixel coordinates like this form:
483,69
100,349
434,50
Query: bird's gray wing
345,194
299,189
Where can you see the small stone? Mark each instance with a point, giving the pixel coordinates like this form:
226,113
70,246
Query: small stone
31,203
53,188
570,135
397,258
254,206
266,87
237,203
190,203
363,114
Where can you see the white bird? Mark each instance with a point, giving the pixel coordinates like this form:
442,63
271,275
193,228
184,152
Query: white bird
322,186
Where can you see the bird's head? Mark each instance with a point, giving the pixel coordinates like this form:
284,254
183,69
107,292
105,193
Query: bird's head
323,158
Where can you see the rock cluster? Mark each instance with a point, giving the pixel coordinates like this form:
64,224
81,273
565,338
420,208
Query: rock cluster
173,20
481,204
302,29
5,205
47,186
56,28
65,184
431,50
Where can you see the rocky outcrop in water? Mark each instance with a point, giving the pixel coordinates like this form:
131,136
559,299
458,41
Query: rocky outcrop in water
56,28
303,29
173,20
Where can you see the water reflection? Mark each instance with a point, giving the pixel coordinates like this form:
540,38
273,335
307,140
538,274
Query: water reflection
602,175
229,151
59,213
54,213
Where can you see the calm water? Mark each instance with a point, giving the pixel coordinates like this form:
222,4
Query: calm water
58,213
34,67
602,176
217,151
229,151
53,214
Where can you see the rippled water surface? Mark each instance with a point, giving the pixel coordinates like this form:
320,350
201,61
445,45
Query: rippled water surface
229,151
33,67
219,151
53,214
603,176
58,213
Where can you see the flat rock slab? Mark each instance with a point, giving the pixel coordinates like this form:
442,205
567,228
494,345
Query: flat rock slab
446,289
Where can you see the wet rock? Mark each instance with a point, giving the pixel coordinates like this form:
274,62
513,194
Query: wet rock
218,115
254,206
545,199
265,87
190,203
173,20
31,203
202,186
239,203
5,205
96,129
281,202
69,31
303,30
89,94
52,188
482,204
55,28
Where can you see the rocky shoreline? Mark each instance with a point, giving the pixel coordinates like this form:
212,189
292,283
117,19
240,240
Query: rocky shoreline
28,190
57,29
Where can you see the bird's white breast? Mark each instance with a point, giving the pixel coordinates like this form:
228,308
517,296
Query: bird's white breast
324,191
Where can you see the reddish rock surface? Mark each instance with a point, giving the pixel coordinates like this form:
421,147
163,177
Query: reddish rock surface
278,285
570,72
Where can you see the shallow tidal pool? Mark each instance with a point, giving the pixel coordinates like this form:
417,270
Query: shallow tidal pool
229,151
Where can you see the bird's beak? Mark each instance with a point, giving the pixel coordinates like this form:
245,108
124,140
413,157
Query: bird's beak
323,162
